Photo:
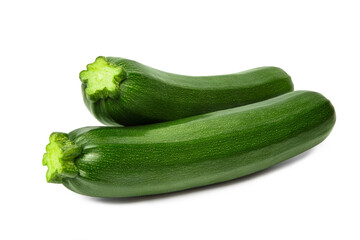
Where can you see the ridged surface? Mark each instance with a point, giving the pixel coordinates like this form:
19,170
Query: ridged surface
148,95
199,150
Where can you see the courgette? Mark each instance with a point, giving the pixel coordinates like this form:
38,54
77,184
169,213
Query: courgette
125,92
190,152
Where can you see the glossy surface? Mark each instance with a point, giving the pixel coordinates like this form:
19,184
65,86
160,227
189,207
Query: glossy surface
148,95
199,150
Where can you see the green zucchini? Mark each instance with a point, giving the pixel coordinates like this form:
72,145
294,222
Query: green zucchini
125,92
190,152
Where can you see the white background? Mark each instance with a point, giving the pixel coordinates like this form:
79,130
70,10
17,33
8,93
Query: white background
44,46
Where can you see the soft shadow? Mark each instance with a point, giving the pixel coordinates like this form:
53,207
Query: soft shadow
130,200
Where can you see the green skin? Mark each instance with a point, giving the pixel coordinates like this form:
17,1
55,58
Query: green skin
190,152
121,91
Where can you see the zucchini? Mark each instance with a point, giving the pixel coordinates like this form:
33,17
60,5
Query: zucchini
119,91
190,152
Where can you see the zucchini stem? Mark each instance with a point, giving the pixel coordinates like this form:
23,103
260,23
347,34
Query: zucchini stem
102,79
59,158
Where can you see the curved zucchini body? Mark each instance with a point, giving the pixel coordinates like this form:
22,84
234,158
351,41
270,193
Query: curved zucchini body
190,152
125,92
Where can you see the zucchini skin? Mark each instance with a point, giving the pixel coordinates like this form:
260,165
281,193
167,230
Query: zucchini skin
148,95
199,150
